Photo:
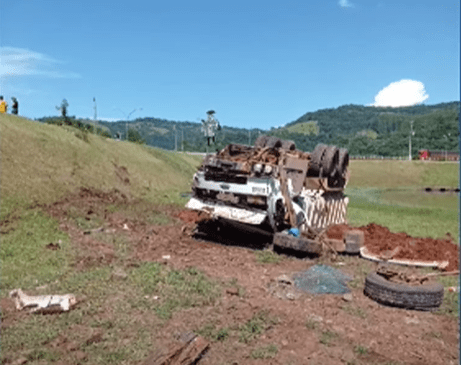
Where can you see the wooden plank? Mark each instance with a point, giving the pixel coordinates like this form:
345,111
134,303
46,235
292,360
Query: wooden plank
297,243
187,353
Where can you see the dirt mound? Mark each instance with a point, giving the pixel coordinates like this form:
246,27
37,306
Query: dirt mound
379,239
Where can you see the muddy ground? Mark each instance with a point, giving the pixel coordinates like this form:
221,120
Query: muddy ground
306,329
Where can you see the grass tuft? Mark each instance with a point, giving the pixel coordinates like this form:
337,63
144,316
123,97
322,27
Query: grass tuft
264,352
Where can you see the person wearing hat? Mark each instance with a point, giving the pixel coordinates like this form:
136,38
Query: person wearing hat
14,106
3,105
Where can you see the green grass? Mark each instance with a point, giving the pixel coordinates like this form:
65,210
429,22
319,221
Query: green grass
26,262
264,352
389,174
391,193
360,350
404,210
327,337
212,333
175,289
259,323
267,257
354,311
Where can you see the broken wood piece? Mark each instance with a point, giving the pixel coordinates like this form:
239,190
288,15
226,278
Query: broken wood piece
42,303
187,353
338,245
388,255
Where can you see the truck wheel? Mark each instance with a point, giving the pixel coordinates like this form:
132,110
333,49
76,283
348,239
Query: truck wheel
316,159
261,141
274,142
330,161
343,160
428,296
288,145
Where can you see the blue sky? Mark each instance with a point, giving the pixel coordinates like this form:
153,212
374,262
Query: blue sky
258,64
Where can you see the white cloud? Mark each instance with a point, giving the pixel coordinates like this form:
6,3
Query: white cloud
345,4
23,62
401,93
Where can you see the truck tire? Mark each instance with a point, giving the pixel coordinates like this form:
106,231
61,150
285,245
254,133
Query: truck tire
288,145
428,296
274,142
261,141
316,159
330,161
343,160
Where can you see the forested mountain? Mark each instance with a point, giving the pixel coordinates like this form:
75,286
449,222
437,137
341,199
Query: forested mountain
378,131
364,130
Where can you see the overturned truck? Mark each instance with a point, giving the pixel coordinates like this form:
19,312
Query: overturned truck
275,188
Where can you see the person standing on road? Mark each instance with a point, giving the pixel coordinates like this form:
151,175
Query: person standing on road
3,105
14,106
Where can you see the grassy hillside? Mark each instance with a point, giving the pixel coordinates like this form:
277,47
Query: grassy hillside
41,163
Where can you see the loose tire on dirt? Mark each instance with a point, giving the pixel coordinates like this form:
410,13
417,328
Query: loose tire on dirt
316,159
288,145
261,141
330,161
427,296
274,142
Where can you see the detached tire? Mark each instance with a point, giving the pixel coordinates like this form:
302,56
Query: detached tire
274,142
288,145
316,159
343,160
261,141
330,161
426,297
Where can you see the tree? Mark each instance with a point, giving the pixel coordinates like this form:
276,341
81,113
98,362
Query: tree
135,136
63,109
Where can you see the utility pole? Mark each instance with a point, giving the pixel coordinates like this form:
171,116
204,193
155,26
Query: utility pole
95,110
182,139
175,138
409,143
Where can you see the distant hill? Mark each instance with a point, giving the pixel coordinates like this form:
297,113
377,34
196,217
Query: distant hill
377,131
364,130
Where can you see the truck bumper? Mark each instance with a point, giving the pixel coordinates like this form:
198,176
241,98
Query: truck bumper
220,210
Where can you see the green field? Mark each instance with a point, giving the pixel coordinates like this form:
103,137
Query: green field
392,194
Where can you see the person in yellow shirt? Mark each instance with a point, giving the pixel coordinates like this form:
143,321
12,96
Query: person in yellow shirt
3,105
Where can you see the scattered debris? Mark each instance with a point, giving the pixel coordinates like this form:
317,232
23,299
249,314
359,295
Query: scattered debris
54,246
187,353
285,279
232,291
119,274
365,253
43,303
95,230
283,288
347,297
322,279
398,276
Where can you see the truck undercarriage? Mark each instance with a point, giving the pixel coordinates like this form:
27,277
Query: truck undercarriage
274,187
